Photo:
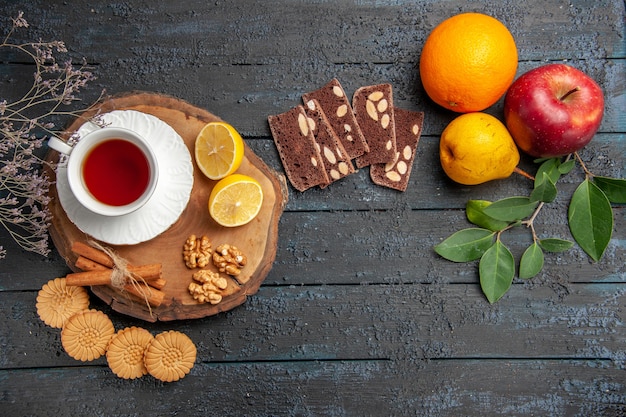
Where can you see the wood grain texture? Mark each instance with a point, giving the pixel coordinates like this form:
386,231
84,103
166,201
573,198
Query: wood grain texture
336,388
257,239
358,315
391,321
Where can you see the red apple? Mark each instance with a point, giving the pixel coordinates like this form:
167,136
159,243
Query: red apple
553,110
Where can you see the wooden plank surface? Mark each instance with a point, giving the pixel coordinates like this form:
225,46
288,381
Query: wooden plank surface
406,322
358,315
334,388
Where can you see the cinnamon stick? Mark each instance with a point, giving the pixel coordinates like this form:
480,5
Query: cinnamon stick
87,264
89,252
137,298
157,283
153,296
99,276
98,271
87,278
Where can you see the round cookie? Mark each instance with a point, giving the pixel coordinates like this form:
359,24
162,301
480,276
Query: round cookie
56,302
125,354
86,335
170,356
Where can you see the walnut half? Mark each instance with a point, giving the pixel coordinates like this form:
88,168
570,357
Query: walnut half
229,259
197,251
209,287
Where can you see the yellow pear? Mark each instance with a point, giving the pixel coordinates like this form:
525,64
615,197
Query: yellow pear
475,148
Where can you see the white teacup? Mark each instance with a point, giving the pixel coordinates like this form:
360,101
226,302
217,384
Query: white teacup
111,171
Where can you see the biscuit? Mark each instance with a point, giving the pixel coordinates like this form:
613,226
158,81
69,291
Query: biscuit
86,335
56,302
170,356
125,354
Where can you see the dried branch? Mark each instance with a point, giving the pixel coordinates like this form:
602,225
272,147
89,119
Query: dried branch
25,124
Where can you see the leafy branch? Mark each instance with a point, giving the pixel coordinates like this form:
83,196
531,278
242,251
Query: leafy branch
590,220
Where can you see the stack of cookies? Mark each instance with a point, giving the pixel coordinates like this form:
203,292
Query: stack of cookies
320,141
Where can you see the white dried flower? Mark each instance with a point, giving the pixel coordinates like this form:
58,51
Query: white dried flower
23,183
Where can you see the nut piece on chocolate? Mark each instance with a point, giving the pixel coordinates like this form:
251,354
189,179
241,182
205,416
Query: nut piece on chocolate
336,106
373,109
336,160
396,174
296,147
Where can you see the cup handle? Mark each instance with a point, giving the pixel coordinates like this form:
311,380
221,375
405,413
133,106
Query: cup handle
59,146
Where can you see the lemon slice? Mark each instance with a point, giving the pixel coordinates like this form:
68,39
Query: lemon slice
235,200
219,150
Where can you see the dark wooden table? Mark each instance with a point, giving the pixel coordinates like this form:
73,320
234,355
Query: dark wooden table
358,316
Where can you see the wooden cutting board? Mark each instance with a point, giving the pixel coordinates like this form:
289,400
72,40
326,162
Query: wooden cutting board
257,240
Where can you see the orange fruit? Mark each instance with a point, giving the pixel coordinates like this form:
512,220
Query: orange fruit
219,150
235,200
468,62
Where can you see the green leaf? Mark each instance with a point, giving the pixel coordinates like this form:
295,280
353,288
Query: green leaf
550,167
591,219
475,214
511,209
544,190
497,269
531,262
466,245
567,166
555,245
614,188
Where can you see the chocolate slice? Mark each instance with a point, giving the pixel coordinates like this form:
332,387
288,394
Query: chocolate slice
396,174
336,106
297,149
373,109
337,163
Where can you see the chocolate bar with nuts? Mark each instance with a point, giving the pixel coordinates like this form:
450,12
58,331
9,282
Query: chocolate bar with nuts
336,107
396,174
373,109
336,160
296,146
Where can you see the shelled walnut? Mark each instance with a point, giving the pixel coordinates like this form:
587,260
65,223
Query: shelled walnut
229,259
209,287
197,252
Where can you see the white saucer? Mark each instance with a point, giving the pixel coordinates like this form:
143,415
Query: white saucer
170,196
